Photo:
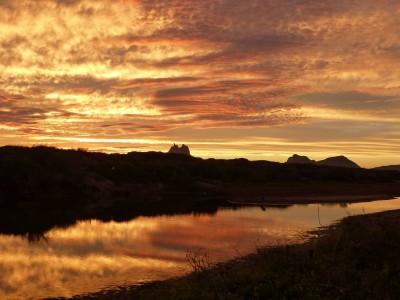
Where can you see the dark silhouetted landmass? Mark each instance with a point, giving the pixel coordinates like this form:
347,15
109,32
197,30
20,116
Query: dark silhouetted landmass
336,161
392,167
179,150
299,159
42,187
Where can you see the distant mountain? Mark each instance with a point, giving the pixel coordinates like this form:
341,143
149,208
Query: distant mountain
299,159
336,161
392,167
179,150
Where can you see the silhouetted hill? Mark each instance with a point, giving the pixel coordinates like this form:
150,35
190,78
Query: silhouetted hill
299,159
338,161
392,167
179,150
55,172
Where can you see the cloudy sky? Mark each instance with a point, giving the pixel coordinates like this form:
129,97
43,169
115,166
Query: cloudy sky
261,79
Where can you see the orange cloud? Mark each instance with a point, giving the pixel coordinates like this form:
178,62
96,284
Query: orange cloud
139,68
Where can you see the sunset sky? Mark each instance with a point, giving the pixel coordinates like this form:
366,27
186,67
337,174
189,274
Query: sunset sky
260,79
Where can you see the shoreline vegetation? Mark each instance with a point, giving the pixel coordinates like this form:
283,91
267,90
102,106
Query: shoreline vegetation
356,258
44,187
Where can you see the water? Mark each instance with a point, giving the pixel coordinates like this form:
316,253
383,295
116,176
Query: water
93,255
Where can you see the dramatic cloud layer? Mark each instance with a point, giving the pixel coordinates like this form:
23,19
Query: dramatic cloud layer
225,76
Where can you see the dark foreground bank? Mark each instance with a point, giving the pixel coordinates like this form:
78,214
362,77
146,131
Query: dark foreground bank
358,258
44,187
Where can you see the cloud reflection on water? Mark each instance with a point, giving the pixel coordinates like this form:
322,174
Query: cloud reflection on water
92,255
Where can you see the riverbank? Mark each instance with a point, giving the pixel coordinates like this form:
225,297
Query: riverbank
356,258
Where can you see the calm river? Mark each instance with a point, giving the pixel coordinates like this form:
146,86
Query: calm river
93,255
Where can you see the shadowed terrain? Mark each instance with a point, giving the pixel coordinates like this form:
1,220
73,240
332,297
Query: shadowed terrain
43,187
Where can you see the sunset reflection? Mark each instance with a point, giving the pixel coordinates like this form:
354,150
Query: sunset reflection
93,255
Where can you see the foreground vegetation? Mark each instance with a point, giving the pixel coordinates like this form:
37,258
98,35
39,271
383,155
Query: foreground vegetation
43,187
357,258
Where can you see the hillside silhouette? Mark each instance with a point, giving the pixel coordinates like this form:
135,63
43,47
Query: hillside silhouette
300,159
179,150
336,161
56,172
43,187
391,167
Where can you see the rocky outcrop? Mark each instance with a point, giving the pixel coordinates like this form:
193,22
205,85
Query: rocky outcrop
179,150
299,159
336,161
